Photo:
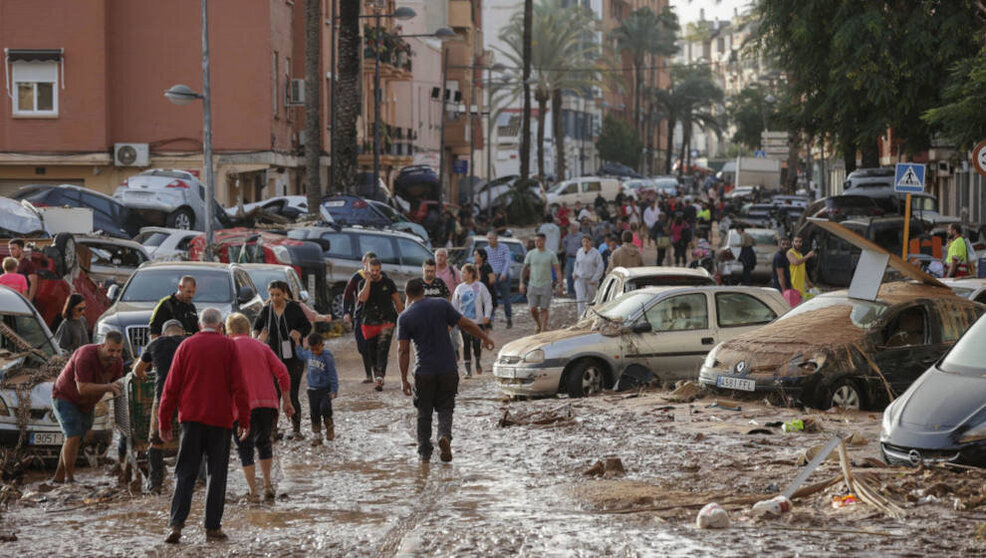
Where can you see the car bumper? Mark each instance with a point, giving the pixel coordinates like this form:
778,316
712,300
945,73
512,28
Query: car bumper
527,380
971,454
761,384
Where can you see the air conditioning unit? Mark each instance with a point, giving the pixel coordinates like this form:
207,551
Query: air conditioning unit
296,93
131,155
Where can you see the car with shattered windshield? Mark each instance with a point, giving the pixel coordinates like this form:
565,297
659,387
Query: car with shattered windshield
834,350
941,418
30,361
665,331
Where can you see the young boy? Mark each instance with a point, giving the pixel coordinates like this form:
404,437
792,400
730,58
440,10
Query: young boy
323,386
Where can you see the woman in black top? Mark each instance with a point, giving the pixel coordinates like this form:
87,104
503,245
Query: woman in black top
282,325
486,277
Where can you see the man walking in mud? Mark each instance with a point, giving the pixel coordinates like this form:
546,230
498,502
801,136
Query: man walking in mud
381,305
353,311
540,263
436,379
205,383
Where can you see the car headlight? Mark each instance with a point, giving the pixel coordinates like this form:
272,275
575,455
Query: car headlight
888,421
282,254
710,359
4,411
975,434
102,328
534,357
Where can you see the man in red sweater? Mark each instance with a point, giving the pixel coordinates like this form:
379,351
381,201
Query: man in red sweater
205,383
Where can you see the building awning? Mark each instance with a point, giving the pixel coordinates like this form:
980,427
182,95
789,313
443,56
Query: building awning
34,54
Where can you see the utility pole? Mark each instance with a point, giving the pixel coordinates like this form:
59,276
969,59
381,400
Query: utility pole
313,101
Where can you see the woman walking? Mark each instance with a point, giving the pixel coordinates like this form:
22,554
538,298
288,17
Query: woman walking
282,325
679,239
486,276
472,299
73,332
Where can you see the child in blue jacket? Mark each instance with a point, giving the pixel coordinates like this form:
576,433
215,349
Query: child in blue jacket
323,386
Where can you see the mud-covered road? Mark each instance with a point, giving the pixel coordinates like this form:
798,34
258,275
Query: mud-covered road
521,490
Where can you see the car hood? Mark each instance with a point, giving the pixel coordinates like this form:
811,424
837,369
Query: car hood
19,218
130,313
813,335
939,401
550,341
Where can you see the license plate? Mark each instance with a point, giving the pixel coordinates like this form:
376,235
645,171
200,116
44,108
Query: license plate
508,372
46,439
728,382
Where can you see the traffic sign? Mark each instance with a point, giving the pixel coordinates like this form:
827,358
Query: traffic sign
909,178
760,154
979,158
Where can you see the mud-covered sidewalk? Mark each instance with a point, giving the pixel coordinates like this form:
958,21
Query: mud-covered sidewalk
518,485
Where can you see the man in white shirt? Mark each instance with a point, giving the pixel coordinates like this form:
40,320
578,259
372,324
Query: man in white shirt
651,215
552,234
588,271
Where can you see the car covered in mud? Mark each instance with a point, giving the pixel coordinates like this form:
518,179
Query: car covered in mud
666,331
30,360
622,280
834,350
942,416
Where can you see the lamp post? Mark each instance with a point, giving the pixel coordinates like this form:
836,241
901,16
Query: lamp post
489,132
182,95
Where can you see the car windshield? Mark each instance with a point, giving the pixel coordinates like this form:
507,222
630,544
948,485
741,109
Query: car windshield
862,313
622,307
151,285
968,356
263,277
151,238
666,183
30,329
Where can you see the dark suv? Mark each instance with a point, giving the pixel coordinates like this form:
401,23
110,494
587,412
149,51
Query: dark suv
108,215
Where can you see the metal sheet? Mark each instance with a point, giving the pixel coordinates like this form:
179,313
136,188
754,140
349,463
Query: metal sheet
868,276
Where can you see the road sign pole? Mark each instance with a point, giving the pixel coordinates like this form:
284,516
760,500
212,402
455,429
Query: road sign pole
907,227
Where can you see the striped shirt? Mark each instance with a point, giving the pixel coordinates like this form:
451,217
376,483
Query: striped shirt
499,259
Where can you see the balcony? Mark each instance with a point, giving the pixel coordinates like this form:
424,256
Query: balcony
397,146
394,57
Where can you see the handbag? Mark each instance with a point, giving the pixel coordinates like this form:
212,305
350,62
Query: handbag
664,242
792,296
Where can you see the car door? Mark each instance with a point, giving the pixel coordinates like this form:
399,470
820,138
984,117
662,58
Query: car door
386,250
906,345
413,256
738,313
249,308
341,259
680,336
589,190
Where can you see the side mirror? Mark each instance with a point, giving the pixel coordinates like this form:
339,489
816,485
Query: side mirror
245,294
303,296
113,292
642,326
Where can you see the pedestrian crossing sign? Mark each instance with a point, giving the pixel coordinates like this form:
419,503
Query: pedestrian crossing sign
909,178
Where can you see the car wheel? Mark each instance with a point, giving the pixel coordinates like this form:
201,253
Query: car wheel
336,305
844,394
182,219
586,378
65,244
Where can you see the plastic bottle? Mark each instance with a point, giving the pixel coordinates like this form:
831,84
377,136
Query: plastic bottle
795,425
775,506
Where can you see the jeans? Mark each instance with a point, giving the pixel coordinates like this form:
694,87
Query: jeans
296,369
320,404
378,349
261,427
434,393
502,289
471,345
197,441
585,292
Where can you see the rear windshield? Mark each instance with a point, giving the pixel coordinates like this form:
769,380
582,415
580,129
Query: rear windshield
150,285
151,238
862,313
968,356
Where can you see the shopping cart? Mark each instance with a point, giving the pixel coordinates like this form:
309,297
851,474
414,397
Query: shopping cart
132,420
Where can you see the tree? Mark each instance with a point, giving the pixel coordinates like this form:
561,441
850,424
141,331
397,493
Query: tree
645,33
692,99
313,129
962,117
344,141
751,111
525,126
619,142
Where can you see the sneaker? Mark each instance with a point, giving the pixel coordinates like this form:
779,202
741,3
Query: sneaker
379,386
445,446
252,498
174,536
215,535
367,381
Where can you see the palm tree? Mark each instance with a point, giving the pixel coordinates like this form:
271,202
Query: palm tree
645,34
692,99
561,58
344,141
525,130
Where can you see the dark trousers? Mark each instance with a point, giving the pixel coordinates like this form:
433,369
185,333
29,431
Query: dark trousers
197,441
661,253
320,405
434,393
296,369
378,349
471,345
361,346
502,289
680,248
261,429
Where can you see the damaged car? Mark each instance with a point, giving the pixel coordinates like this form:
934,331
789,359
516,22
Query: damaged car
835,350
941,418
665,331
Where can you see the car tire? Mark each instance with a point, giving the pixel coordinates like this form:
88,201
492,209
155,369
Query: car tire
844,394
182,219
587,377
336,304
65,244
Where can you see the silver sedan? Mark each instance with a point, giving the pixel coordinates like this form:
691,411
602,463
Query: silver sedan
664,330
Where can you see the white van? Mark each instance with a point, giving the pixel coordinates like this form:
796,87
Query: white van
583,189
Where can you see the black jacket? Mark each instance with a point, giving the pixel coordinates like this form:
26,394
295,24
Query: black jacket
293,318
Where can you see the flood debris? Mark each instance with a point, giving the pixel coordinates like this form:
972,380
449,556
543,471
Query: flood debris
712,516
775,506
684,392
610,467
553,417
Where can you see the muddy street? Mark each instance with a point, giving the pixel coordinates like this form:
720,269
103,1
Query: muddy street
522,489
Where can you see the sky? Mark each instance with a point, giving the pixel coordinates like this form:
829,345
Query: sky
689,10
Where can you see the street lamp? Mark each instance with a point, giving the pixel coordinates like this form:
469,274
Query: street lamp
182,95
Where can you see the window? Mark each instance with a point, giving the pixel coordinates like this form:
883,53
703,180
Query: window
380,245
287,86
242,279
570,189
115,256
35,88
679,313
738,309
340,245
151,239
592,187
412,253
907,329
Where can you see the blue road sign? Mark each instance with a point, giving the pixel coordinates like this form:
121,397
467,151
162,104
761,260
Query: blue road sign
760,154
460,166
909,178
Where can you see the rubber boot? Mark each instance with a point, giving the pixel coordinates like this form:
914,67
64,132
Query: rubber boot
155,470
316,434
330,430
